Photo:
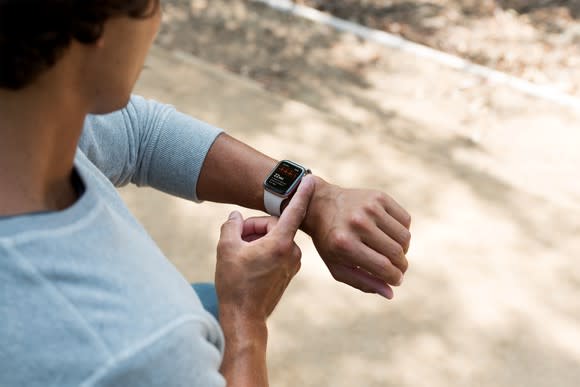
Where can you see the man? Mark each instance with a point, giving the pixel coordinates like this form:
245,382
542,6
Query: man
86,298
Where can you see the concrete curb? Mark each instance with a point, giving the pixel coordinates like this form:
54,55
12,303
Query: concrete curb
548,93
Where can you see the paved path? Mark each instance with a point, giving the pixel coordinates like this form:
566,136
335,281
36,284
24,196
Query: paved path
491,295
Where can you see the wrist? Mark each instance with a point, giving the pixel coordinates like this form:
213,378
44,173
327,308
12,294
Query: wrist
244,336
323,192
244,361
281,185
242,325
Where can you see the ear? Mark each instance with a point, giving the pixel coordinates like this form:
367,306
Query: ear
100,43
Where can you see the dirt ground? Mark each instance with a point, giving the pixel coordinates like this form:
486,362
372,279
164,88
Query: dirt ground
533,39
309,63
489,176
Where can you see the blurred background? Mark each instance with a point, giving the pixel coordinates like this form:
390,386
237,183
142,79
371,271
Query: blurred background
489,175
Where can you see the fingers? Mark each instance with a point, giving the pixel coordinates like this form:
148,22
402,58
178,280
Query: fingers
232,229
395,210
252,237
378,265
297,256
385,235
257,227
293,215
395,230
384,245
361,280
353,250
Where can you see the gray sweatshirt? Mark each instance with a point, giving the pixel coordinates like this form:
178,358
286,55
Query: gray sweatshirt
86,296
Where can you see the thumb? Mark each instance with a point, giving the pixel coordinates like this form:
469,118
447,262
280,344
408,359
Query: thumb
294,214
232,229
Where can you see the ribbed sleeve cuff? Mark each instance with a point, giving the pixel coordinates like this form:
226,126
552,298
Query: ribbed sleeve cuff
179,153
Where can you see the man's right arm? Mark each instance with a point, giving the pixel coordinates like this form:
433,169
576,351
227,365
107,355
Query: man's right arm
244,362
256,260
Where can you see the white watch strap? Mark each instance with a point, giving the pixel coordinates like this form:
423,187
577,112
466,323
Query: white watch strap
273,203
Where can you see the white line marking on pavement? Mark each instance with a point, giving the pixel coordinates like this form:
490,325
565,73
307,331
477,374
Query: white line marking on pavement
386,39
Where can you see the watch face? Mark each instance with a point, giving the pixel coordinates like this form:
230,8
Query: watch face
284,178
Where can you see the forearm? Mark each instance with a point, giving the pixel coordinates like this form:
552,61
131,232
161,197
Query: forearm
234,173
244,363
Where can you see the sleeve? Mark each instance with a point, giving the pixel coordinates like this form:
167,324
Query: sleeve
149,144
181,358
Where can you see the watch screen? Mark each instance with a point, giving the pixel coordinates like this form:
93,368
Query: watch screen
284,177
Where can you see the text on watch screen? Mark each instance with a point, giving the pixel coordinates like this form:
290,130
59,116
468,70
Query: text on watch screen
283,177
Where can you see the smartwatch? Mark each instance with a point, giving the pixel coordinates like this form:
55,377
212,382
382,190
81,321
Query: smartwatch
281,184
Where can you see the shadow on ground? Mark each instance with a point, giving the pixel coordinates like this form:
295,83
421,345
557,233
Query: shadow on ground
490,297
414,19
490,289
426,342
528,7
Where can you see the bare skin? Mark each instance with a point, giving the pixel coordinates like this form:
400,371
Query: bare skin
38,152
41,124
362,235
260,256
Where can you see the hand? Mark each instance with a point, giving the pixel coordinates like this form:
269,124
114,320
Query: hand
257,258
361,235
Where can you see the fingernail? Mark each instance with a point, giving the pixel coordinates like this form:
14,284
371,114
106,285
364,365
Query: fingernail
385,293
233,215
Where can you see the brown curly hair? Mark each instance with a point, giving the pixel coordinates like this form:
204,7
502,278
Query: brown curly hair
34,33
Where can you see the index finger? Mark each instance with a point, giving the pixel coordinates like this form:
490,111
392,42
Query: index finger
294,214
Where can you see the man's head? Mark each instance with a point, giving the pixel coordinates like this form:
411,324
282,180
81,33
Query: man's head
110,39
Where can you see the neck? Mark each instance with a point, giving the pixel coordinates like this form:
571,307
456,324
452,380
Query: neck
39,130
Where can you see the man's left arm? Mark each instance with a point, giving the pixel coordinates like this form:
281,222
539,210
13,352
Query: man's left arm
362,235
